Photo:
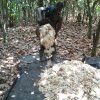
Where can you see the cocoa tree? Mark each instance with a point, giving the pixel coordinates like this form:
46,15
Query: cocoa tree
96,37
4,19
90,12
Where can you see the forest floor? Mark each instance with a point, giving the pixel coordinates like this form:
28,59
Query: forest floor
72,43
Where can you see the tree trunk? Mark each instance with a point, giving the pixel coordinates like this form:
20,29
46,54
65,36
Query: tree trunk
84,14
29,9
90,15
24,13
4,21
79,18
90,20
65,12
10,15
96,37
40,3
90,27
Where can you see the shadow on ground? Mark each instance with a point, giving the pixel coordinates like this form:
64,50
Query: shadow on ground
26,88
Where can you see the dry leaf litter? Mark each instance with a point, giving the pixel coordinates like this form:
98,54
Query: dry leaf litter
71,43
70,80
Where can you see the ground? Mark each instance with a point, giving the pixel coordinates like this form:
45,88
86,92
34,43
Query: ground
72,43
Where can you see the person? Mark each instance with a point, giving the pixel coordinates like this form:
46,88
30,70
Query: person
52,16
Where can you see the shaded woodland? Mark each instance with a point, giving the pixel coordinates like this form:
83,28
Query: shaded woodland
79,35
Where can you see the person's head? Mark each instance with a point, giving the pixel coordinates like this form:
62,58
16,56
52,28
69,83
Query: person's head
59,6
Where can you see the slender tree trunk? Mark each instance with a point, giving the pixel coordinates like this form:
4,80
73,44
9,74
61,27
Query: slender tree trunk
93,10
65,11
73,11
24,9
4,21
16,19
79,18
40,3
29,9
6,11
84,14
83,17
90,27
90,20
90,15
10,16
96,37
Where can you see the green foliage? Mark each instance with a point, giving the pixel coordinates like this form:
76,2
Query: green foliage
13,9
98,9
81,4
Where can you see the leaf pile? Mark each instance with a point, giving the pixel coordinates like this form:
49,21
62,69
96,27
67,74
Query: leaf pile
70,80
